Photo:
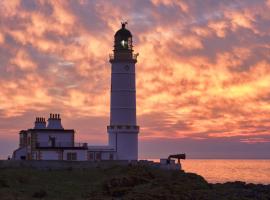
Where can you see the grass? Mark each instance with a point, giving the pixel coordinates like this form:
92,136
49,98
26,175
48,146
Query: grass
119,182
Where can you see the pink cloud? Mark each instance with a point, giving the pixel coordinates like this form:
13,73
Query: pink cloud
204,68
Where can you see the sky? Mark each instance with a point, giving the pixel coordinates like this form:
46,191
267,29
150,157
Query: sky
203,72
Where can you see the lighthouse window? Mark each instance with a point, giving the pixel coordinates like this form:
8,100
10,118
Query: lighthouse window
124,43
129,43
126,67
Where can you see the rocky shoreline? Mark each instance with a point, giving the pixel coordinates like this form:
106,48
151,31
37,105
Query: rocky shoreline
121,182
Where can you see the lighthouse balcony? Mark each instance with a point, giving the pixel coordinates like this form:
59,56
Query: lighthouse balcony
123,128
123,56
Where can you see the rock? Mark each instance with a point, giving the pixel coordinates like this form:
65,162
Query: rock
40,194
120,186
3,183
122,182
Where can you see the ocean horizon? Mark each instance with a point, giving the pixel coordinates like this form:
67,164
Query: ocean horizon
255,171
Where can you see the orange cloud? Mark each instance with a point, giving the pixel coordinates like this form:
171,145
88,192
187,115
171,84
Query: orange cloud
240,19
23,61
254,140
9,8
182,4
18,96
203,71
220,28
2,39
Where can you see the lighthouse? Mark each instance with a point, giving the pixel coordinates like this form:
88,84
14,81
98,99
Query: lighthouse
51,141
123,129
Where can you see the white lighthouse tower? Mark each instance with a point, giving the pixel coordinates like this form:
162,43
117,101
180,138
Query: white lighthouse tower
123,129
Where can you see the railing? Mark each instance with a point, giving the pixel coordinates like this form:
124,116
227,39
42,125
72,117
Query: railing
123,127
80,144
60,144
111,56
123,56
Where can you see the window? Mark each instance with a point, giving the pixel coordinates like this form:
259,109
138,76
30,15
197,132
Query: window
29,156
34,156
71,156
129,43
51,141
90,156
111,156
126,67
23,158
98,156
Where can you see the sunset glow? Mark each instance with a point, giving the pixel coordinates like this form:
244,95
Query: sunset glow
203,71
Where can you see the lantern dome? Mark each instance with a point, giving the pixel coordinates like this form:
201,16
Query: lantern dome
123,32
123,39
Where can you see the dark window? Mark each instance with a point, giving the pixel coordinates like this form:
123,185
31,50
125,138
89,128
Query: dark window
129,43
126,67
72,156
51,141
23,158
90,156
98,156
111,156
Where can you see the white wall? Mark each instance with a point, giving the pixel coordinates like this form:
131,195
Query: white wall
112,139
65,138
123,110
106,155
19,152
123,95
49,155
81,154
127,146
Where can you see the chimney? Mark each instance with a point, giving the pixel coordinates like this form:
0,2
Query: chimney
54,122
40,123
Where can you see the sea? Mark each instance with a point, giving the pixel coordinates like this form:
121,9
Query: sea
226,170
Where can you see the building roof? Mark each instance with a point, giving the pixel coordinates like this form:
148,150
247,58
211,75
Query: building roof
62,148
123,32
100,148
47,130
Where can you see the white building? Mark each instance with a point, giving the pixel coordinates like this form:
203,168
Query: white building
53,142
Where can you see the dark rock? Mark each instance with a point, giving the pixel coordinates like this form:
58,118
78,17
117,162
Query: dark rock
3,183
122,185
40,194
235,184
122,182
23,179
69,169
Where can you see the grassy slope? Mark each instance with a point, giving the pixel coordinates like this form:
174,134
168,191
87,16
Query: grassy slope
118,182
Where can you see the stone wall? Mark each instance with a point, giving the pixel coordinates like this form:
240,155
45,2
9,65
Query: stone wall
52,164
56,164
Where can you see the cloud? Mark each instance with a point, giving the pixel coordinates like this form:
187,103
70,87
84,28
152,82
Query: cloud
23,61
202,73
255,140
2,39
17,96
